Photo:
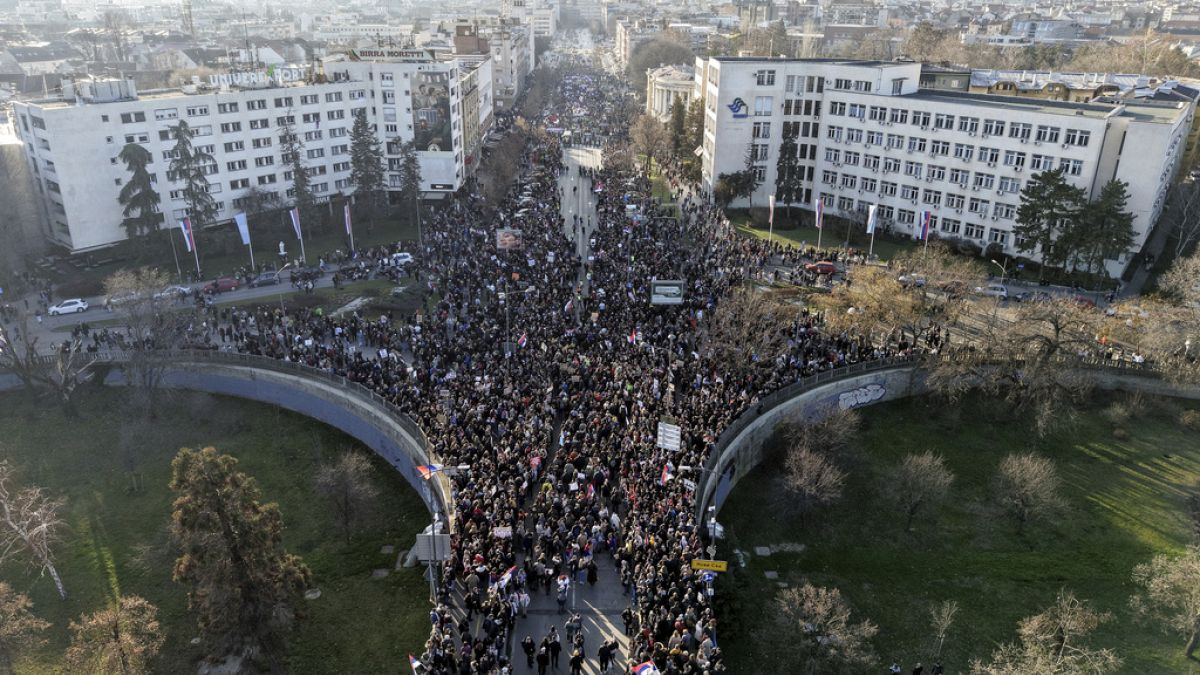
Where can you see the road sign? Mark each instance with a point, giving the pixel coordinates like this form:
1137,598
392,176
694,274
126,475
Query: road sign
432,547
711,565
668,436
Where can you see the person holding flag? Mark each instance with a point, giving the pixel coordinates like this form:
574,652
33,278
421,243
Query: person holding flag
647,668
427,470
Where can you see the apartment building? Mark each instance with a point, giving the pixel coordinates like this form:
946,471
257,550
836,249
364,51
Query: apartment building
72,143
867,135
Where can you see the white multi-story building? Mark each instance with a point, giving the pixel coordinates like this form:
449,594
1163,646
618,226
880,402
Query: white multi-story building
866,135
72,143
664,86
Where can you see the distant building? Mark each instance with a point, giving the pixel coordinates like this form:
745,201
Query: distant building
665,85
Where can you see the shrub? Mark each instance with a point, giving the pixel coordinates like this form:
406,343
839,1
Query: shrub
1190,419
1118,412
1120,434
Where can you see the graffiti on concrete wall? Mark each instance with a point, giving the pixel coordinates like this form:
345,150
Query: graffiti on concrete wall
861,396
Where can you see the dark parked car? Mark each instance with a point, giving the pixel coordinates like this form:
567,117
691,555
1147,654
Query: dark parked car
222,284
266,279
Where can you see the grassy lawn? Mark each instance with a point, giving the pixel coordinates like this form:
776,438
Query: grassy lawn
834,235
1126,502
117,540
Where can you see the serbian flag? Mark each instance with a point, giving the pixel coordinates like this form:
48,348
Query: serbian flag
522,340
243,228
295,214
346,213
647,668
427,470
189,237
666,474
569,306
413,663
591,491
633,336
819,208
923,225
506,577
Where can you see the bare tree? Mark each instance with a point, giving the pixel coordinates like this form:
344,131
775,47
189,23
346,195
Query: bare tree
826,639
748,330
19,627
875,306
1170,594
56,372
921,481
348,486
1182,216
29,525
152,325
835,434
123,639
941,618
650,139
1053,643
1026,489
813,479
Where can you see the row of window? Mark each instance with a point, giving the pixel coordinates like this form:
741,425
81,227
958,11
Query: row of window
950,200
1042,133
907,217
962,151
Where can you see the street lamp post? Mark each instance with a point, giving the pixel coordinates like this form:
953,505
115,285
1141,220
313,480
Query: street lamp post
1003,270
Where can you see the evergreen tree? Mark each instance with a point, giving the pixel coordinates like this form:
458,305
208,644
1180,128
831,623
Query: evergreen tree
788,185
189,165
123,639
138,195
410,183
1048,205
244,585
292,152
749,180
1104,229
366,168
678,126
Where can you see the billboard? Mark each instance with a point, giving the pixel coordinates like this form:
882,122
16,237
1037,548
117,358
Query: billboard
664,292
431,112
508,239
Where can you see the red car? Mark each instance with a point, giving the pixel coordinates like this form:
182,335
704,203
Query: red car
822,267
222,284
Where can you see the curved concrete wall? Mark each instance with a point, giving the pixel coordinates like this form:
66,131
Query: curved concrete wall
334,401
739,454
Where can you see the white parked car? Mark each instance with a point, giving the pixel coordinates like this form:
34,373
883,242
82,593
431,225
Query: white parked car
72,306
993,291
401,259
172,292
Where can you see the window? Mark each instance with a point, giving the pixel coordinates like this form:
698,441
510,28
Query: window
868,184
223,108
897,86
135,138
916,144
1019,131
906,217
345,150
341,183
837,108
1046,134
973,231
877,113
951,226
968,124
230,127
959,176
851,159
954,201
939,148
166,114
762,129
931,197
943,121
849,181
841,83
833,155
337,133
908,192
197,110
935,172
857,111
862,85
267,160
964,152
1014,158
257,104
284,120
316,170
1041,163
984,181
333,97
341,166
998,236
875,138
237,165
310,99
1077,137
235,146
913,169
1001,210
335,114
978,205
239,184
890,164
898,116
130,118
763,105
895,141
358,94
312,135
283,102
311,118
324,187
1009,185
920,119
829,177
871,162
833,133
261,143
993,127
888,189
164,134
260,124
1072,167
315,153
854,135
267,179
845,204
387,79
990,155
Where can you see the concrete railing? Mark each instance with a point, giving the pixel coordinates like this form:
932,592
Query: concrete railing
348,406
741,446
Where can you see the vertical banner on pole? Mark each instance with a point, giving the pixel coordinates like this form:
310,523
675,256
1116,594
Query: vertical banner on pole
295,214
185,226
243,227
771,218
872,220
819,208
349,228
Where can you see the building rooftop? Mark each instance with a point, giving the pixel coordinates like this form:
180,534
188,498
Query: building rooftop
835,61
1144,111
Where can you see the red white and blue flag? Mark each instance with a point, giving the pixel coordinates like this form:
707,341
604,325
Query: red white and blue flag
522,340
633,336
189,236
413,663
506,577
427,470
923,226
666,474
647,668
295,214
591,491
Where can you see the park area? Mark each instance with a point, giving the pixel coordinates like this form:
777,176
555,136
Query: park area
1128,471
117,542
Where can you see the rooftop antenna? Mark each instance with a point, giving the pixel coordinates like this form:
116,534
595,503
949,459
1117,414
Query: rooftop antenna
188,25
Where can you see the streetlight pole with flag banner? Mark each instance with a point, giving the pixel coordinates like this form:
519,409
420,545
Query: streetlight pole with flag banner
189,238
872,218
295,214
819,209
349,229
244,230
771,219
